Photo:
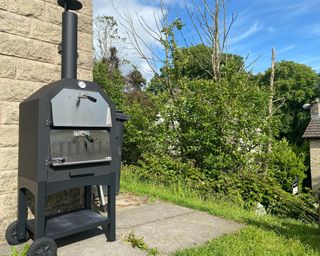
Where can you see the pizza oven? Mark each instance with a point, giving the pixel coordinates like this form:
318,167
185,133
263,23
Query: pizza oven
66,132
70,135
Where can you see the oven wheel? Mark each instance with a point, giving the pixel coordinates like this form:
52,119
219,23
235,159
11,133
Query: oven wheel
12,234
43,246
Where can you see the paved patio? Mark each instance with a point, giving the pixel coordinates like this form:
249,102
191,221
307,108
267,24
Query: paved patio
163,225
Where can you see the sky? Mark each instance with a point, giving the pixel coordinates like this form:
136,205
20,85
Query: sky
292,27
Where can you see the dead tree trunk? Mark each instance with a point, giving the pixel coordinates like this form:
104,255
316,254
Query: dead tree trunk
216,44
270,109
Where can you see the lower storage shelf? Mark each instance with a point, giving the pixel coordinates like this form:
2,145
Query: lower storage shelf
58,226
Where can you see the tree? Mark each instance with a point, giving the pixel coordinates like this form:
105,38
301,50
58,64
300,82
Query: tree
135,80
294,85
270,109
195,66
106,71
112,82
106,37
207,19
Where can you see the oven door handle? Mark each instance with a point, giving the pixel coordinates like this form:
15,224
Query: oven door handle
73,175
58,160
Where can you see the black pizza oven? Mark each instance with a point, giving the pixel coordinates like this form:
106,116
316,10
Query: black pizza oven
70,135
66,132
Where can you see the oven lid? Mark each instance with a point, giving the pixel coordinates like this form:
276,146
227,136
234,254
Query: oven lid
80,108
71,147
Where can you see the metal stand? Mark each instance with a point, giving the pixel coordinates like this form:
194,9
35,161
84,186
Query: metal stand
61,225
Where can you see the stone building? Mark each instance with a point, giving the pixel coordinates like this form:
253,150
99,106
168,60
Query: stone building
312,133
30,31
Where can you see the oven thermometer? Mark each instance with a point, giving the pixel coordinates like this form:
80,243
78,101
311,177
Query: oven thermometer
82,84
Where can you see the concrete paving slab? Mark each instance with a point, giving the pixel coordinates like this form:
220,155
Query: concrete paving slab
148,213
163,225
184,231
94,243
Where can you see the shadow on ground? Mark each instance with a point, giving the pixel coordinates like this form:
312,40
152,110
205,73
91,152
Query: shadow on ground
307,234
79,237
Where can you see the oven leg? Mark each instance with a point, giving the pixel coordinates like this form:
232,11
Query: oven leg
87,198
40,202
111,228
22,214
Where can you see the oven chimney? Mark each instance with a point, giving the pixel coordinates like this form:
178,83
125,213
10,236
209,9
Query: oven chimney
69,38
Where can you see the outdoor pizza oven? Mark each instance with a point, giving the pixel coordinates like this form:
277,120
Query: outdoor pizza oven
66,132
70,135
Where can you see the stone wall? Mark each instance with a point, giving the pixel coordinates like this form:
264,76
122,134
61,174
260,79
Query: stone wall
315,164
30,31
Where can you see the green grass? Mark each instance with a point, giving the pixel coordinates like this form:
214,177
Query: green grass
16,252
139,242
263,235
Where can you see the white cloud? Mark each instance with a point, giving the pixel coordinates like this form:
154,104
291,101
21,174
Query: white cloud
252,30
180,3
314,30
309,60
287,48
135,8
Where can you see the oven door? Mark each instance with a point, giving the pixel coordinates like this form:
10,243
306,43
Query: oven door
72,147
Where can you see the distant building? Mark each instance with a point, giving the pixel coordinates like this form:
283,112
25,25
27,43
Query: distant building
312,133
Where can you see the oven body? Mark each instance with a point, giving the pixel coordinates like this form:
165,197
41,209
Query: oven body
67,139
55,133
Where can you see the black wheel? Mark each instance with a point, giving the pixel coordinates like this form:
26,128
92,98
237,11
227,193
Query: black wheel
43,246
12,234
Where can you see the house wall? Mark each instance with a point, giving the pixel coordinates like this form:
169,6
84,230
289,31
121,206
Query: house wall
315,164
30,31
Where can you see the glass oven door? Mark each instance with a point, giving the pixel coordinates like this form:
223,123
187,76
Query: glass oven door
71,147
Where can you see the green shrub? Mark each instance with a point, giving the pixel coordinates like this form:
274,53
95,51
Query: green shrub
167,170
284,165
244,188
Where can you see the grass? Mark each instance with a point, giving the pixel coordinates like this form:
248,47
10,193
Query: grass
263,235
16,252
141,244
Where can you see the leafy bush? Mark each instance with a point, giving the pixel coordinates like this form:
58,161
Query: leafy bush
110,80
167,170
244,188
284,165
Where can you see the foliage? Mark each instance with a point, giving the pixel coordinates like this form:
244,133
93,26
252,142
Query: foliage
141,244
135,80
285,165
295,84
167,170
22,252
142,110
106,37
197,63
218,126
221,124
262,243
244,189
212,134
212,137
110,80
268,235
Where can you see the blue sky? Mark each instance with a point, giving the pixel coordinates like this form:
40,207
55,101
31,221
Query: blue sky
291,26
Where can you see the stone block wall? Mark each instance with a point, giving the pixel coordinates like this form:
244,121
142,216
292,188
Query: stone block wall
30,31
315,164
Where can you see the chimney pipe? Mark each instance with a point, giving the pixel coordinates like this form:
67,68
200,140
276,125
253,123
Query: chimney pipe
69,38
69,45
